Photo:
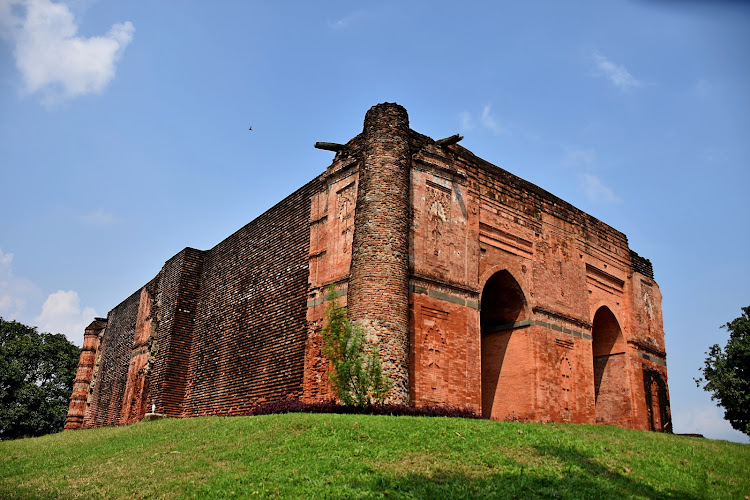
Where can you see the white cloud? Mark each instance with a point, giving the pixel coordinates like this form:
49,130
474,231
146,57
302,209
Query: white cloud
61,313
467,123
97,218
584,158
488,120
15,293
708,421
7,18
346,21
583,162
595,188
5,258
53,59
618,75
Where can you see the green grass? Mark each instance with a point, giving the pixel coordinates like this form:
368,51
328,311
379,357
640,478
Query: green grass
361,456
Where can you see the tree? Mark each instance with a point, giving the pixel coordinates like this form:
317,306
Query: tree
36,379
726,374
357,373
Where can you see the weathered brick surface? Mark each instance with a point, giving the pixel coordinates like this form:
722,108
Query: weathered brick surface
112,372
542,355
480,289
250,322
332,210
84,374
379,276
649,376
136,395
177,300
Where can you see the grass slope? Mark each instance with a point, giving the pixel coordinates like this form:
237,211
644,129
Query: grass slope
362,456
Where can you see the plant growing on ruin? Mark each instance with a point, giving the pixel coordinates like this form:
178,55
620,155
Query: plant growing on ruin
357,374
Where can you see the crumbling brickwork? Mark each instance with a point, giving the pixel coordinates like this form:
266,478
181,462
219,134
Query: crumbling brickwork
379,278
84,374
479,288
111,372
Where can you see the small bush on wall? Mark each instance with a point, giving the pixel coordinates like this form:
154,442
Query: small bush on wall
357,376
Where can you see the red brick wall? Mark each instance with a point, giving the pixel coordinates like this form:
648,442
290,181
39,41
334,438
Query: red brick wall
177,299
647,345
84,374
114,360
444,347
214,332
250,320
136,395
332,212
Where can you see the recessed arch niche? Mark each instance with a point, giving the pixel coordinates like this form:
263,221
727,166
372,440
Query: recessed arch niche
506,385
611,389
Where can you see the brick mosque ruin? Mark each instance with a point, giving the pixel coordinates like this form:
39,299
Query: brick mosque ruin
481,290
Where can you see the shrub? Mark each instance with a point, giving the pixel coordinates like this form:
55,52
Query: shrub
356,376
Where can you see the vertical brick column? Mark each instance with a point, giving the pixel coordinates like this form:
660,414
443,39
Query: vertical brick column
84,373
378,296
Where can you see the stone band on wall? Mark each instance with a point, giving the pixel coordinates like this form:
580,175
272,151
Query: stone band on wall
379,282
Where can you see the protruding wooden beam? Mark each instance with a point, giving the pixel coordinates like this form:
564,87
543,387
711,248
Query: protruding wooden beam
329,146
449,140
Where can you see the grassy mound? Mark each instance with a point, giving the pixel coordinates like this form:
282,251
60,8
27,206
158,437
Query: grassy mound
300,455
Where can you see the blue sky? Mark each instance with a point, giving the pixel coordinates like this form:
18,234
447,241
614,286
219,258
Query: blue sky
124,134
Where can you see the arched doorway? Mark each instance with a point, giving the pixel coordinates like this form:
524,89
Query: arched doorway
611,389
504,381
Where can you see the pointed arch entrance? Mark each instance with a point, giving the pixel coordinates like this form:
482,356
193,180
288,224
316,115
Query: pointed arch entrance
611,388
506,387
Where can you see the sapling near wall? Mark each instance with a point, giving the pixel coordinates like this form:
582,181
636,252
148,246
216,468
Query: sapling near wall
356,375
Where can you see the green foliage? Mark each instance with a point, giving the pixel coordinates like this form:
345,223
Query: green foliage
726,374
36,378
303,455
357,375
